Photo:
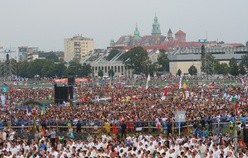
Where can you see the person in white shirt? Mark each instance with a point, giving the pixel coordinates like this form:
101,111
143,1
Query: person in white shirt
11,135
55,153
4,135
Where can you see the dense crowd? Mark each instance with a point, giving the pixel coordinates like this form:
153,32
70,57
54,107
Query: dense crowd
204,104
137,146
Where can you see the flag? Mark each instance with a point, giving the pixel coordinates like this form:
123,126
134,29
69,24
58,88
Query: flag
183,95
43,109
147,81
3,99
246,89
180,82
28,110
233,100
165,90
112,98
211,84
184,85
236,108
242,81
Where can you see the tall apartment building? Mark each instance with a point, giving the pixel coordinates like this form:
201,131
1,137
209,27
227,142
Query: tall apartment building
77,47
28,53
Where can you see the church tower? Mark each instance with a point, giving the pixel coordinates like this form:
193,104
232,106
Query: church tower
156,26
136,34
170,35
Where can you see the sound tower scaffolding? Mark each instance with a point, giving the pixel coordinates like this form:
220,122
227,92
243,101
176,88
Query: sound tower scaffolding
8,68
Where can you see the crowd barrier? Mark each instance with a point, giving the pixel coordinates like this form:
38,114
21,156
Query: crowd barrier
96,126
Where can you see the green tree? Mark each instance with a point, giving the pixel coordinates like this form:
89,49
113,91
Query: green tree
111,73
59,69
112,54
244,60
221,68
192,70
137,59
179,72
150,68
35,67
48,68
163,61
86,70
242,70
208,64
207,61
52,56
74,68
234,69
100,73
22,69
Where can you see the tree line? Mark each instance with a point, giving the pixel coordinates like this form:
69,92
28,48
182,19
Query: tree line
50,68
136,59
210,66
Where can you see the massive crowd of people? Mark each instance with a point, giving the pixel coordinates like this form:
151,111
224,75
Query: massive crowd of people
207,107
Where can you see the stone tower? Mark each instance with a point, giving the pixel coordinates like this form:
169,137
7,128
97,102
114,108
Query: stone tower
156,26
170,35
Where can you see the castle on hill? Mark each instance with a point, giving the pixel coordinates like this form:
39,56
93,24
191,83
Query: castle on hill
155,40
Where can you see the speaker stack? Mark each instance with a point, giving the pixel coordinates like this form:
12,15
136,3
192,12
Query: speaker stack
64,93
245,134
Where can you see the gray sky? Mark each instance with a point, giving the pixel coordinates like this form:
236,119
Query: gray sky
45,23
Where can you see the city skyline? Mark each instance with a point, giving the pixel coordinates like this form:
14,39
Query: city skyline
45,24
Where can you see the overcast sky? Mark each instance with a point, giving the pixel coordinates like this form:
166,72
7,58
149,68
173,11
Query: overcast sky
45,23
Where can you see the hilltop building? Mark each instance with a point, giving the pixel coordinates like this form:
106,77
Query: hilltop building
153,41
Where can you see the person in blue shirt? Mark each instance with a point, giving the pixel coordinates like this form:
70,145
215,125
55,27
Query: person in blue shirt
42,146
243,119
165,127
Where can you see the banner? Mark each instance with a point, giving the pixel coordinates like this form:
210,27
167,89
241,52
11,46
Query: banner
65,80
5,89
62,80
81,80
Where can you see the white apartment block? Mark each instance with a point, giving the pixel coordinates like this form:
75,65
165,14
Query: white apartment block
77,47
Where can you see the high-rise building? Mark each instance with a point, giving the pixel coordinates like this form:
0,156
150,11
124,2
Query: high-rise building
77,47
27,53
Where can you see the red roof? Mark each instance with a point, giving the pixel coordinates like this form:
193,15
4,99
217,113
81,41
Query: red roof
171,44
167,45
180,32
234,44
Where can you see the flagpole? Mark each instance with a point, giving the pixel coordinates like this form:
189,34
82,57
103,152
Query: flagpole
235,136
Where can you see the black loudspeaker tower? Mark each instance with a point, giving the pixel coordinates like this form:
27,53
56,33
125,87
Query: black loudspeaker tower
245,135
61,94
71,80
